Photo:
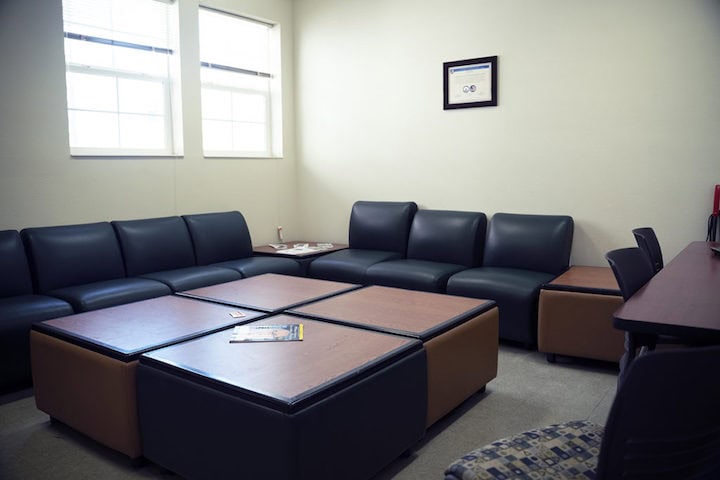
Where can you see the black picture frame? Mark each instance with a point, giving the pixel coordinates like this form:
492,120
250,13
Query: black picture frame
481,89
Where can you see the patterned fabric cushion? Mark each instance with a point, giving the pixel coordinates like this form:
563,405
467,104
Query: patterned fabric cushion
565,451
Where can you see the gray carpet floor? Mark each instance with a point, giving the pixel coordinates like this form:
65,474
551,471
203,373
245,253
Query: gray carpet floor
527,393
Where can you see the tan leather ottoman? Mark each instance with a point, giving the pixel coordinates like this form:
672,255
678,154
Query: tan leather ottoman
575,315
84,365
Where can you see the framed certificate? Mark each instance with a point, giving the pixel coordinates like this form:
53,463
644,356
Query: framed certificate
470,83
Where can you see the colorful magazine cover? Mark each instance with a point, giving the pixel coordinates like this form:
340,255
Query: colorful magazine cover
267,333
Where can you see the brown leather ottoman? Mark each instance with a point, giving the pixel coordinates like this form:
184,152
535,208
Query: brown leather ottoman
459,334
575,315
84,365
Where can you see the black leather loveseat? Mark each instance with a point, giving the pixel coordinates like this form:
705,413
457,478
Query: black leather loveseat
50,272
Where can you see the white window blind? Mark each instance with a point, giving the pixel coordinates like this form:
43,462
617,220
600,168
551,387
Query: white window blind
239,59
122,86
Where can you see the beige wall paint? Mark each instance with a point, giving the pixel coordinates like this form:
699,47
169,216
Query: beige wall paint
40,184
608,111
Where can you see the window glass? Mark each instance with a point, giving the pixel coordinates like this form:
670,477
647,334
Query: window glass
122,93
239,104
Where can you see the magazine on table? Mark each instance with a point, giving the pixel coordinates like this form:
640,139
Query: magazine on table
267,333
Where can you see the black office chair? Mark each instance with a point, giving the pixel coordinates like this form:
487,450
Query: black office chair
632,269
648,243
664,424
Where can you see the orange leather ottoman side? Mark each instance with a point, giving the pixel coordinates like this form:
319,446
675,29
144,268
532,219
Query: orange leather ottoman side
460,362
90,392
575,315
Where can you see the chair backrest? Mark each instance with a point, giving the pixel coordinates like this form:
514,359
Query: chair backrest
632,269
154,244
447,236
218,237
15,278
72,255
381,225
540,243
665,420
648,243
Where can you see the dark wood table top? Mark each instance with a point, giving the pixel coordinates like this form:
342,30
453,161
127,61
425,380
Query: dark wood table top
284,375
682,299
126,331
315,249
586,279
395,310
269,292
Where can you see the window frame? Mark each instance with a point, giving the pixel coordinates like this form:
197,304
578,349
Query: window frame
273,135
171,93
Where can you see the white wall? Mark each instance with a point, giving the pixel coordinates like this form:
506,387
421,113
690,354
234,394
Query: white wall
40,184
608,111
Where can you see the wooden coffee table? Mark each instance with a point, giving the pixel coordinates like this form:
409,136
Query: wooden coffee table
270,292
84,365
342,403
460,335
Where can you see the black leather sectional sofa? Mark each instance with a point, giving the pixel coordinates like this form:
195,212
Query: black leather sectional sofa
50,272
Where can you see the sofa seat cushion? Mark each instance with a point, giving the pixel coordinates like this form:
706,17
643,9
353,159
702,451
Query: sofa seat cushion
93,296
348,265
251,266
568,450
516,292
30,308
413,274
17,314
194,277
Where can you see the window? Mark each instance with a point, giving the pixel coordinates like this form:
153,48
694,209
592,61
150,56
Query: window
239,61
121,73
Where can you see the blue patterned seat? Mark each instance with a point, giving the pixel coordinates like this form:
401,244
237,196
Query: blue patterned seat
664,424
563,451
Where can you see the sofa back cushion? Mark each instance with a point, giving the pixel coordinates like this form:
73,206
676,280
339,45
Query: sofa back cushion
71,255
154,244
219,237
381,225
15,278
540,243
447,236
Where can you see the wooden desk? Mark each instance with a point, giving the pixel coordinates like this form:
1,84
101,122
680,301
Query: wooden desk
681,300
269,292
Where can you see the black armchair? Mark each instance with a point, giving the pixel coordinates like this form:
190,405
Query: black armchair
223,240
378,232
441,243
522,252
20,307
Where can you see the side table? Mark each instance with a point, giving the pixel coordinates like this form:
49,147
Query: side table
303,255
575,315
